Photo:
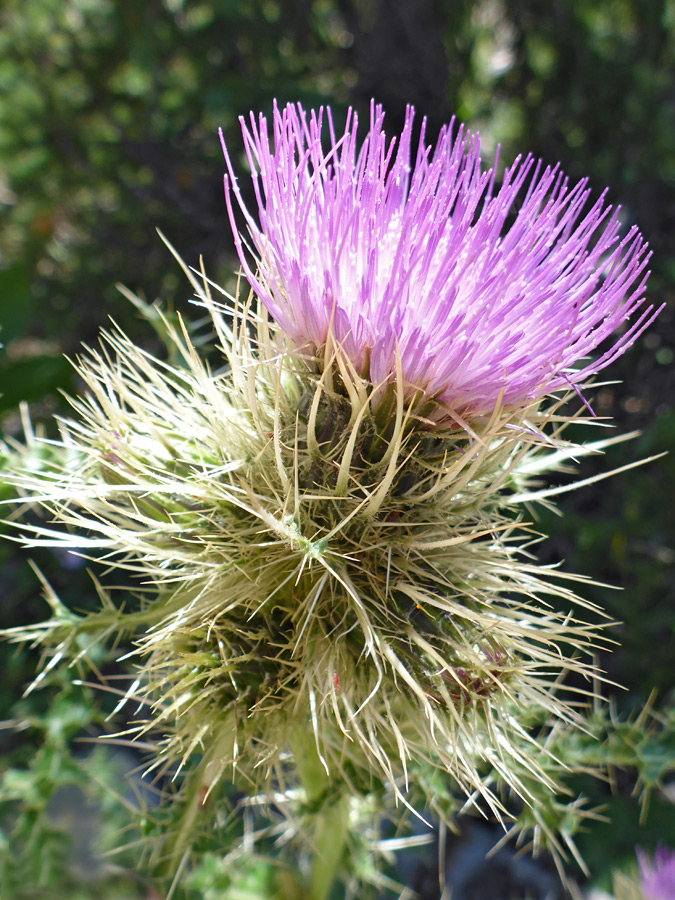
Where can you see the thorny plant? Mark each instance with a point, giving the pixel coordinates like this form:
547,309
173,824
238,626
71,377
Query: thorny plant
332,527
343,582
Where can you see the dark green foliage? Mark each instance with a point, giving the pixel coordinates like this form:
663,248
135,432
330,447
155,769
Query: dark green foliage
108,128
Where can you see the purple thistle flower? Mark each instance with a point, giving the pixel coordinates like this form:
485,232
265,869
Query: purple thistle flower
657,876
485,294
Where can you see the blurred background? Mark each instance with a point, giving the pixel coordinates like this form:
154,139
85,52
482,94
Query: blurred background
108,130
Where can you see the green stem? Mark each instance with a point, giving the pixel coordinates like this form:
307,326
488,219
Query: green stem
200,789
330,841
329,809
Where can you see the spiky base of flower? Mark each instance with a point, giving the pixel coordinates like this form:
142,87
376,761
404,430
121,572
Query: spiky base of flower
325,561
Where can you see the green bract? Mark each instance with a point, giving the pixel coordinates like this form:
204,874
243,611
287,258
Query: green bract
323,578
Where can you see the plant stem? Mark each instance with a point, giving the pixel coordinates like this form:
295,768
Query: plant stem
330,841
329,811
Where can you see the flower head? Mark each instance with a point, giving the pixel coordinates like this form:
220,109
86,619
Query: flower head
312,576
328,584
481,294
657,876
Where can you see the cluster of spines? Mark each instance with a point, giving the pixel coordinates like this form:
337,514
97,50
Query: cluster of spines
320,549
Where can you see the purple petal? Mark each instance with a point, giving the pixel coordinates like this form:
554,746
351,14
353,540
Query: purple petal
482,292
657,876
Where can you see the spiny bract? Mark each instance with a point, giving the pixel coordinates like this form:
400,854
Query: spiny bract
316,569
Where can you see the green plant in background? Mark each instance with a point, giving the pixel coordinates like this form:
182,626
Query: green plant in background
59,812
336,599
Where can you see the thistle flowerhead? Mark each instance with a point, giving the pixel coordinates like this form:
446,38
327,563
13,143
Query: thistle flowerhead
484,295
327,519
321,574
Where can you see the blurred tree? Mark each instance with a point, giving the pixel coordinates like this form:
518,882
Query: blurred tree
108,127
